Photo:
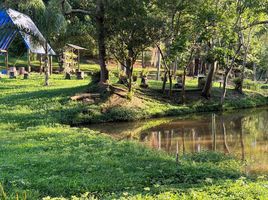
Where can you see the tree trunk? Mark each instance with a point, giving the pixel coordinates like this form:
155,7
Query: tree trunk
224,89
183,96
101,42
143,60
164,82
208,85
191,68
170,83
243,71
129,74
197,64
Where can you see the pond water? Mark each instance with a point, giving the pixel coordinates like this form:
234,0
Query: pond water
242,133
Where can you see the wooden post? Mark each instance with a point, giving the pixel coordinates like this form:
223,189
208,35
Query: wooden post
50,64
78,61
41,68
29,60
46,65
6,60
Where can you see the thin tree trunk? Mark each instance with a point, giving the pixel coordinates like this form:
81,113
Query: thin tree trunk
243,71
197,64
166,69
224,89
183,96
142,59
170,83
101,42
164,82
227,74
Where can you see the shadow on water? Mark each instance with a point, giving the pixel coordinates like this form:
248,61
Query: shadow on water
243,134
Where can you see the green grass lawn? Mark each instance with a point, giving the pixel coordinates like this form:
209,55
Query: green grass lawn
40,157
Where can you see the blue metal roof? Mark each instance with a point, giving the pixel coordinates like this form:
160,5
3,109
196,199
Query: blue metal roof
12,23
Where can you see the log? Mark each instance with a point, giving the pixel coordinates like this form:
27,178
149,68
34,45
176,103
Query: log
85,95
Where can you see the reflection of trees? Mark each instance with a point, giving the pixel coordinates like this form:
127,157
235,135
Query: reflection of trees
193,139
183,139
240,134
225,145
239,127
213,131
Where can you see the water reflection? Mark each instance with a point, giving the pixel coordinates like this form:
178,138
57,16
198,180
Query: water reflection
241,133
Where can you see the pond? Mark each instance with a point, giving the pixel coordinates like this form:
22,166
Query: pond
242,133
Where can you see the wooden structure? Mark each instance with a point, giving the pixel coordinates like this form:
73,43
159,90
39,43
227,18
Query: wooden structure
72,56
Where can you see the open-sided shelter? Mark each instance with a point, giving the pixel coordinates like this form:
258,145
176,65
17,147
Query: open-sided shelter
75,50
13,23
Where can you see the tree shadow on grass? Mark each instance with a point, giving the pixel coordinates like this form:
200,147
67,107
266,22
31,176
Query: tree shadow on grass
44,95
46,106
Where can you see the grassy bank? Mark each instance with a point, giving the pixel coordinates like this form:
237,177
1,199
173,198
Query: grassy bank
40,157
62,161
152,103
52,105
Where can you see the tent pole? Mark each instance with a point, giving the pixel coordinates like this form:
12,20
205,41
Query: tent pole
29,60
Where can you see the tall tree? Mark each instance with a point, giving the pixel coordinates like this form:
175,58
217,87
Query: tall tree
134,27
96,9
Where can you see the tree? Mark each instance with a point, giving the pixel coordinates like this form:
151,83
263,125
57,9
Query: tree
134,27
96,9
